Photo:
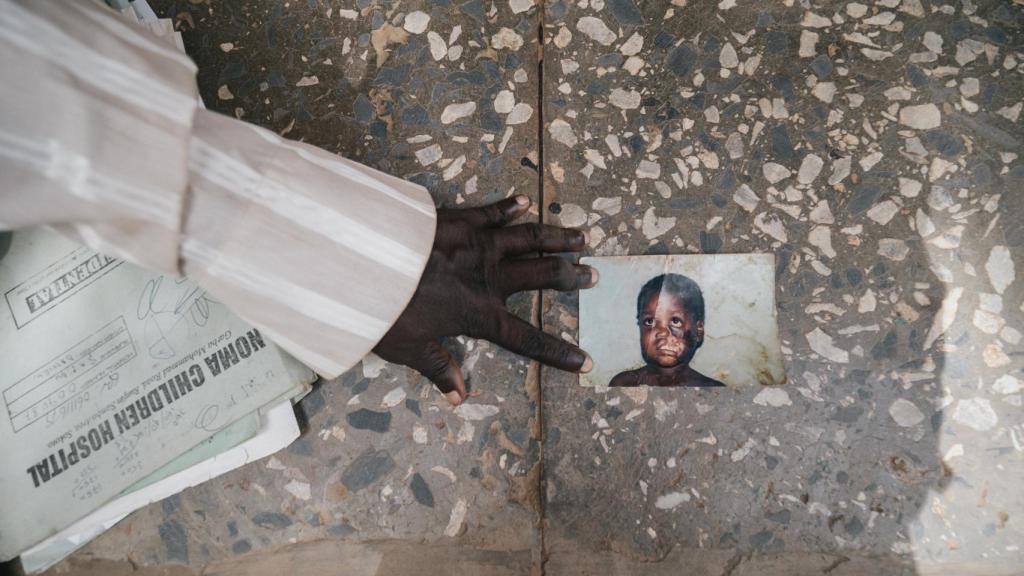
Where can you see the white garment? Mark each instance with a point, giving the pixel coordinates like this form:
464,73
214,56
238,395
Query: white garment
102,137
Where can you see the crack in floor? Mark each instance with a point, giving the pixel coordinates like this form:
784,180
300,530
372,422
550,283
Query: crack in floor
541,557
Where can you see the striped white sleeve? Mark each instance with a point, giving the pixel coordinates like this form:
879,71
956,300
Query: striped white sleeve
319,252
101,136
95,118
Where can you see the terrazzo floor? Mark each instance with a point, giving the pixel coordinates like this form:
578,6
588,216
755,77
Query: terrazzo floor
872,147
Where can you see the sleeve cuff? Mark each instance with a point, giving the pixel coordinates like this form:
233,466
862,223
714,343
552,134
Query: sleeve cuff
320,253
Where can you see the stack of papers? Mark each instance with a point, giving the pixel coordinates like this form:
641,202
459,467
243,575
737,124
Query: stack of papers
120,387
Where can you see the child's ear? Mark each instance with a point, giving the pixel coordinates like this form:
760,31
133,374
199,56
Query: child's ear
700,331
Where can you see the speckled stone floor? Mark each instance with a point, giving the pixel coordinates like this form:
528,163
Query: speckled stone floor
872,147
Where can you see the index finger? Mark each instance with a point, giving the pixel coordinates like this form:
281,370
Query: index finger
493,215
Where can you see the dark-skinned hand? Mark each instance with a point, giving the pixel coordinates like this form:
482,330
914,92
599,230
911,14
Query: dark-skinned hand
476,263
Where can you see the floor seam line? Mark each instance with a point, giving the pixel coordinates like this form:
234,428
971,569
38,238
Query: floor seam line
539,309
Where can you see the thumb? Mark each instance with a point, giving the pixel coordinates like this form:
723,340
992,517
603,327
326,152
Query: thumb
441,368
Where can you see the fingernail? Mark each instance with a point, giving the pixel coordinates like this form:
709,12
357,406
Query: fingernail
453,398
522,200
594,277
588,365
586,277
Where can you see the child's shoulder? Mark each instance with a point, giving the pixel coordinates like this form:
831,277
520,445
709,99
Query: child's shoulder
627,378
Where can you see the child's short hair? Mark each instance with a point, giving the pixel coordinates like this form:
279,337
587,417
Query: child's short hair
683,287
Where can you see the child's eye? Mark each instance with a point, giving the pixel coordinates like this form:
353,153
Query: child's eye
648,322
677,321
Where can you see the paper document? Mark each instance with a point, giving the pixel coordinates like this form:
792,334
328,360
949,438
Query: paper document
277,430
107,373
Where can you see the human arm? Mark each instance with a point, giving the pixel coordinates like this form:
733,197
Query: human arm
102,137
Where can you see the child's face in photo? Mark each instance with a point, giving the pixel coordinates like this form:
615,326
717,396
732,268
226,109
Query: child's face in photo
668,335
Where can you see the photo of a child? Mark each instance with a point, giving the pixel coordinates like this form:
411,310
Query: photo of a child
686,321
670,315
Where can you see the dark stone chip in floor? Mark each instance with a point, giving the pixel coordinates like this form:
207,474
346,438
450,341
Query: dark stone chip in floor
776,41
555,11
635,143
854,276
360,386
681,60
784,85
554,435
885,348
981,174
854,527
782,146
415,115
303,446
428,180
658,248
171,504
340,530
272,520
761,539
943,142
822,66
490,121
241,547
421,491
366,469
612,60
175,541
599,86
392,76
916,76
664,40
711,47
710,242
781,517
372,420
626,12
475,10
864,197
312,403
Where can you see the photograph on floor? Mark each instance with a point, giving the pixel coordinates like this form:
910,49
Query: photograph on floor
682,321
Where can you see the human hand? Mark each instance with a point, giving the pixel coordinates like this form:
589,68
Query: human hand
474,266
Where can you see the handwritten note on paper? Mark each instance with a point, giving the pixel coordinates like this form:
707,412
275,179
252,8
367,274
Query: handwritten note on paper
108,372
